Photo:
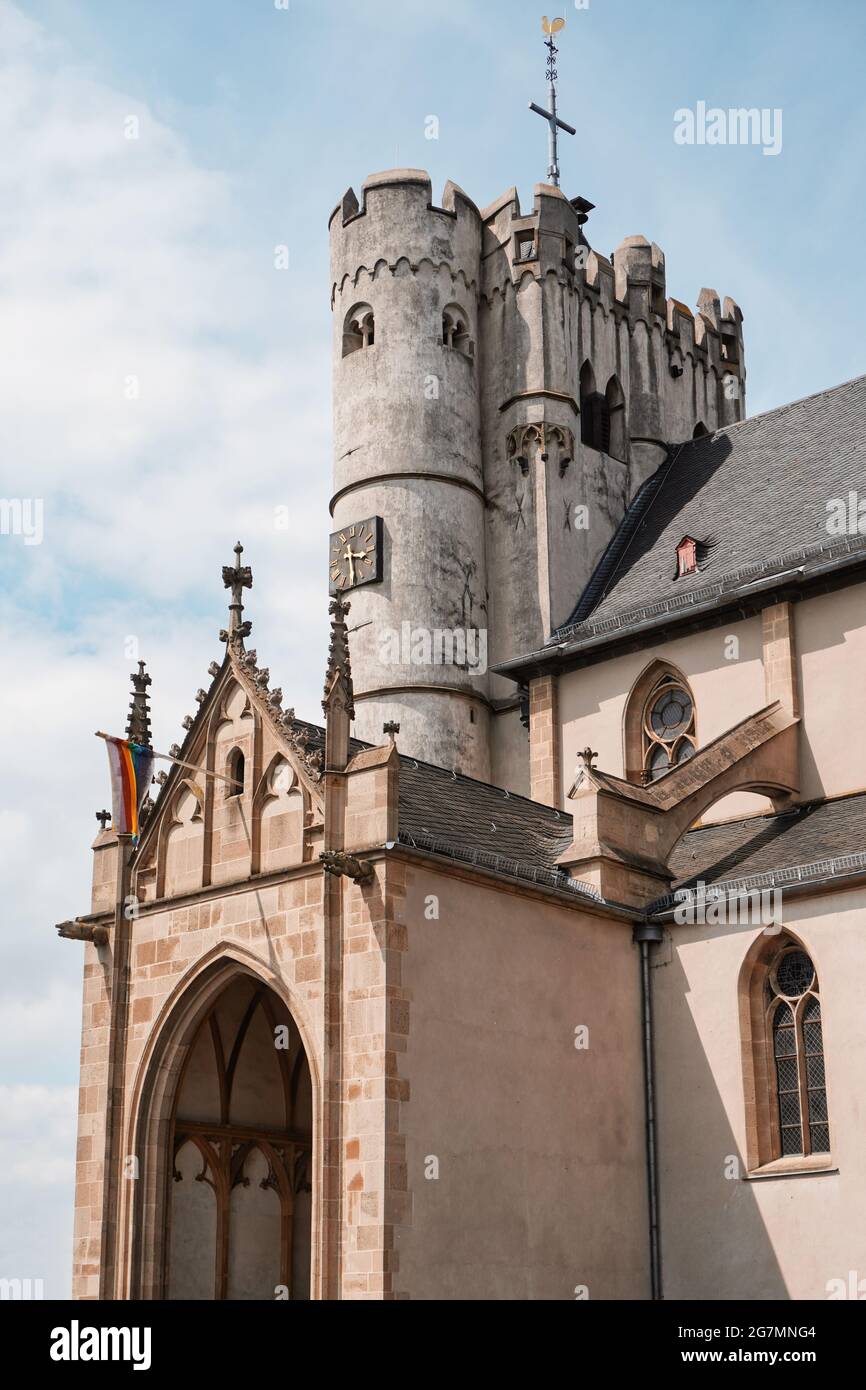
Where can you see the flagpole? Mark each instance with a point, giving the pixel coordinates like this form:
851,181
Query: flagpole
167,757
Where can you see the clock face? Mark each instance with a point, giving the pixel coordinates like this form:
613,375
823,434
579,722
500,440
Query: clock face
355,555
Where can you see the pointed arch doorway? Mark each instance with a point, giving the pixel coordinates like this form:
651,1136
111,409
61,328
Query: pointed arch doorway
226,1138
241,1142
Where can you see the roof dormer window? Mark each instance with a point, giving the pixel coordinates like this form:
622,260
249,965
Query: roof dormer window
687,557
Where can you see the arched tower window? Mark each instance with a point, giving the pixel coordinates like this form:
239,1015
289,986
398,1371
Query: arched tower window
796,1048
235,770
358,329
594,413
455,330
668,727
615,406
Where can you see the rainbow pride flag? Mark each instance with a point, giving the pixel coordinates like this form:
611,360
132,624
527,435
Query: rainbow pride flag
131,767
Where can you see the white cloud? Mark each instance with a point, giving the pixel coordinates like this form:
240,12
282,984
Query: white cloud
37,1150
122,258
37,1127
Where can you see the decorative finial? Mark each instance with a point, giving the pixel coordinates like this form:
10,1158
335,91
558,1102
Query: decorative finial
391,728
551,27
103,817
339,700
586,756
237,577
339,665
138,724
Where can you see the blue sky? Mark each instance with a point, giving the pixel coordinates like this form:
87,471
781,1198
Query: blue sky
153,260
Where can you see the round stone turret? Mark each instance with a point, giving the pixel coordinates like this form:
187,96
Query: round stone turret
407,450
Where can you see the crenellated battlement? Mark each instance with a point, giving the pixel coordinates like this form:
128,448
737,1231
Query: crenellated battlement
396,229
397,221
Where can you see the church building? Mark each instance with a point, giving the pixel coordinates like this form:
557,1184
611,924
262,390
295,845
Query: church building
531,972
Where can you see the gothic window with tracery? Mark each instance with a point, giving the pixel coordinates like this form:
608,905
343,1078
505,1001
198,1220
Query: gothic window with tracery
793,1013
668,727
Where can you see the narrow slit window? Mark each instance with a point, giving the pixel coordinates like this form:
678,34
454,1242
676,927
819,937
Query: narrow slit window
235,772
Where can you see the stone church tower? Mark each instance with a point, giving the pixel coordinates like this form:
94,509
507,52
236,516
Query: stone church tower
501,393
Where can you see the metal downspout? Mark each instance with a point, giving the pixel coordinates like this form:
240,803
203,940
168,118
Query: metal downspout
645,936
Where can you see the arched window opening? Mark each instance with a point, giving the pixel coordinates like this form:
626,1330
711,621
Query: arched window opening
235,769
455,330
240,1151
668,727
793,1015
594,413
525,248
730,348
358,329
615,406
659,724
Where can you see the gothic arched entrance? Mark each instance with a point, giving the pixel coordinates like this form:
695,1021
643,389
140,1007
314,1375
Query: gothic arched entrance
225,1135
241,1149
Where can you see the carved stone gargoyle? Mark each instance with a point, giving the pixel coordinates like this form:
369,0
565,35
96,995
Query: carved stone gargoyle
338,862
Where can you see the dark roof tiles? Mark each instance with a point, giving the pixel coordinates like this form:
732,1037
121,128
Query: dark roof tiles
753,492
808,835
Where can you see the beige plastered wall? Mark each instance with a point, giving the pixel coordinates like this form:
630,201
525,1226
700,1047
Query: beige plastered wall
830,639
831,650
724,1237
539,1147
592,701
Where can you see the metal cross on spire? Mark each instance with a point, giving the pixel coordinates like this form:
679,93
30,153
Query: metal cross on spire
237,577
551,27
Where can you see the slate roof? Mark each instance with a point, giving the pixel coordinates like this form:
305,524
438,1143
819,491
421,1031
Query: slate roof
445,813
754,494
816,840
470,820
